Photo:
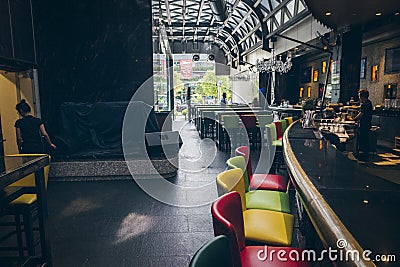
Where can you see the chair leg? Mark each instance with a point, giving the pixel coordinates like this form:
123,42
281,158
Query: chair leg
18,229
28,227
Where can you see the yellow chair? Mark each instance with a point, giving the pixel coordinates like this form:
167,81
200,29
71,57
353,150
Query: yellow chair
266,226
289,120
26,205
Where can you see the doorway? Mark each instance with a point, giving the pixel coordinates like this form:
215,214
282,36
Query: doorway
14,86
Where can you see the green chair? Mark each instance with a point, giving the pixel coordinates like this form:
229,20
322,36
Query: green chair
231,131
278,161
271,132
216,252
284,125
263,120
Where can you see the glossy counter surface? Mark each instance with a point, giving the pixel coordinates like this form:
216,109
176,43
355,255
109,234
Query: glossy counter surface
342,199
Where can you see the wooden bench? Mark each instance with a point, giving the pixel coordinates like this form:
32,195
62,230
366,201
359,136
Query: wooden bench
397,142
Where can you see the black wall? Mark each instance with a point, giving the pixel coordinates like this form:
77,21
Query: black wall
16,35
91,51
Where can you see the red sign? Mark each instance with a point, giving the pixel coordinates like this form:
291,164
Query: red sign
186,68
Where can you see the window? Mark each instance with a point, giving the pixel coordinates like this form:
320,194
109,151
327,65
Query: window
308,91
305,75
315,75
374,73
392,60
362,68
323,67
390,90
301,92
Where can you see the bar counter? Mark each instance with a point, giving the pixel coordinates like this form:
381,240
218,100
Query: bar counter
343,201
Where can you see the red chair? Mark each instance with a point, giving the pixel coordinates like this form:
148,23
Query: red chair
279,132
228,220
261,181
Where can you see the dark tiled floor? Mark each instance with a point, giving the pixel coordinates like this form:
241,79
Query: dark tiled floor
115,223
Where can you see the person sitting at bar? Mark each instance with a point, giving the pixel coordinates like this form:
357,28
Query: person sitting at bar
365,118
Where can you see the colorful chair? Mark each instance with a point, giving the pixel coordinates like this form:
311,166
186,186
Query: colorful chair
278,128
250,124
284,126
278,161
231,131
263,120
271,129
216,252
233,180
258,181
261,181
289,120
270,227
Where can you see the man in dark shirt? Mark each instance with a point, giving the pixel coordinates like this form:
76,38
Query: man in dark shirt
365,117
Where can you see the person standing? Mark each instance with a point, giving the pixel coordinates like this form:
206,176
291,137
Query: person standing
30,131
223,100
365,118
189,102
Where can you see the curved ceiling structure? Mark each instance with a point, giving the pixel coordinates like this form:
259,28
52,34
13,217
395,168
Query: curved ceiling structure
248,26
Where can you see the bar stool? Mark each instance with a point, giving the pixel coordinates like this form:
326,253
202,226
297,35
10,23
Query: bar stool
264,226
26,206
230,221
250,124
278,128
216,252
263,120
233,180
232,131
262,181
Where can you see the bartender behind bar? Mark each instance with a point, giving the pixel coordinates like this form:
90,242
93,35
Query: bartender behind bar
365,118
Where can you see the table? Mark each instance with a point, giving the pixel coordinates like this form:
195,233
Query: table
13,169
342,199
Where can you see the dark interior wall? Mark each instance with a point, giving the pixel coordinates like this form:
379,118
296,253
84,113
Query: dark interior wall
16,35
91,51
350,63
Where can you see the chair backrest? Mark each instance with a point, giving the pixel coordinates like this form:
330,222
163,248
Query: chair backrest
239,162
228,220
245,152
278,126
272,131
232,180
29,180
216,252
231,121
249,121
289,120
284,125
263,120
